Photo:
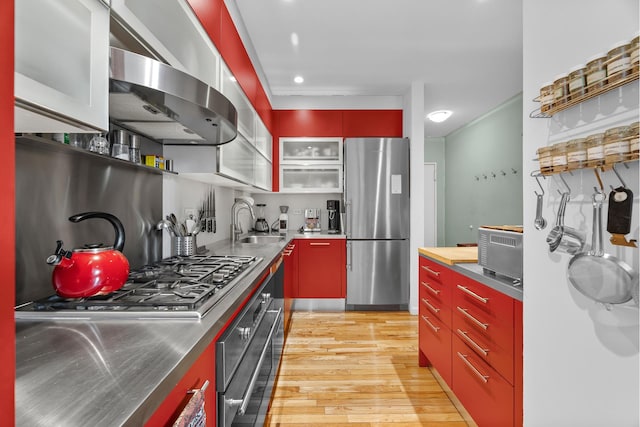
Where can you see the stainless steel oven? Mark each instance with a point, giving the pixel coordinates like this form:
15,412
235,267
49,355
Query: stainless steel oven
247,358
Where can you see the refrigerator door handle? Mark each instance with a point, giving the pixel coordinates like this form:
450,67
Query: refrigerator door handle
349,219
349,255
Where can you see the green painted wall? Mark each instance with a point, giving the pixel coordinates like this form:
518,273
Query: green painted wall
488,146
434,152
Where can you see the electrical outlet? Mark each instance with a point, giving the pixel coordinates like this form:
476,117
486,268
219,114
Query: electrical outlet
188,213
297,211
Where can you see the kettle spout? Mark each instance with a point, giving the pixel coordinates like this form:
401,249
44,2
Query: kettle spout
60,256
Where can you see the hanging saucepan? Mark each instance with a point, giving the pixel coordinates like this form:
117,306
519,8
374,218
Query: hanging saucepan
601,277
94,269
563,238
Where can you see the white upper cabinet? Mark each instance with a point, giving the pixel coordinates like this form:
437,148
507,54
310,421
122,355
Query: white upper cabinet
61,65
246,113
174,33
264,140
311,165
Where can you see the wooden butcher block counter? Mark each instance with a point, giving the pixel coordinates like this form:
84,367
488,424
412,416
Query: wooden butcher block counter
451,255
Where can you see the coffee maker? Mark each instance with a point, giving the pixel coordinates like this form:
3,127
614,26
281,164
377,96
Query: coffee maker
333,208
311,220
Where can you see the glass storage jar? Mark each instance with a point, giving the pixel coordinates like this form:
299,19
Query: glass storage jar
560,90
545,160
577,85
618,62
595,150
633,141
576,153
616,145
546,97
634,54
559,157
596,71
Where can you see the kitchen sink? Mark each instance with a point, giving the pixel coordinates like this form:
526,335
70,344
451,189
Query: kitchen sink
261,240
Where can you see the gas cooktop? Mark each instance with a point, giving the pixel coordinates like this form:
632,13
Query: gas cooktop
174,288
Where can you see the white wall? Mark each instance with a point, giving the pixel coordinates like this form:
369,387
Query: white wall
581,364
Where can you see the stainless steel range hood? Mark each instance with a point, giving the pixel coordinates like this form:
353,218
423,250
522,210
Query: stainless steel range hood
165,104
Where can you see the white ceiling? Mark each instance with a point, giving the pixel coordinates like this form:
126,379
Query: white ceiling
468,53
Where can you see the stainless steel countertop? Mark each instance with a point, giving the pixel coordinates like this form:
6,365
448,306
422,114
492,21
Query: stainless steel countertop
117,372
475,271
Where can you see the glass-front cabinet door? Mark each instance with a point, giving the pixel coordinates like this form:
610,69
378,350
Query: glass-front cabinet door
61,65
296,150
263,172
236,160
311,179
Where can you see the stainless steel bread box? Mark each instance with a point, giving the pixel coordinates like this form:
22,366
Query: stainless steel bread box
500,250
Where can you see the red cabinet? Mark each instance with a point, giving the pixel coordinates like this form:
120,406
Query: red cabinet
321,268
290,255
202,370
472,335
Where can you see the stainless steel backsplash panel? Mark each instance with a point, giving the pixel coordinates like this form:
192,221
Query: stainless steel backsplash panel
54,182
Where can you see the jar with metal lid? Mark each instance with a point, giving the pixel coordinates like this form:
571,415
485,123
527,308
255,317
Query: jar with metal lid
134,149
616,145
577,82
595,150
546,97
559,157
633,141
545,160
560,90
634,54
576,153
618,62
596,71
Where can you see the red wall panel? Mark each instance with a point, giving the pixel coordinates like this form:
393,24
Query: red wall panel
309,122
7,227
361,123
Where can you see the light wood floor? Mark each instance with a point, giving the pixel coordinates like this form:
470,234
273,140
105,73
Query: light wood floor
360,369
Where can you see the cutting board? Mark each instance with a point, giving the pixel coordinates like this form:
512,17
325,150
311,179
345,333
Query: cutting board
451,255
514,228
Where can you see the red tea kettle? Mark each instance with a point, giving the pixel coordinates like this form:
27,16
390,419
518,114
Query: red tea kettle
93,269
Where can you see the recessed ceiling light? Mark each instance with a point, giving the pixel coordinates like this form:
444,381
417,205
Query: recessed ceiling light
439,116
295,40
298,79
232,78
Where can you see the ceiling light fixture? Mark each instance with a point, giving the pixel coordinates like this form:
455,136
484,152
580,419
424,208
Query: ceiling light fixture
439,116
295,40
298,79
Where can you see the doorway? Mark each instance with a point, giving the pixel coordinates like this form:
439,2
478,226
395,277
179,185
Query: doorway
430,205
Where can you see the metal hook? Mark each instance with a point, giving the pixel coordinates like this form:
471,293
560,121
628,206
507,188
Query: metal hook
503,172
493,174
618,175
485,176
565,183
514,171
536,174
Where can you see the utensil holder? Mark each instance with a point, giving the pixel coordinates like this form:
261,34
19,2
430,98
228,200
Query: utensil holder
185,245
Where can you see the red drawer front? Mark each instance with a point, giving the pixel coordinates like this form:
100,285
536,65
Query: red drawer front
485,395
485,311
500,358
435,280
431,306
435,343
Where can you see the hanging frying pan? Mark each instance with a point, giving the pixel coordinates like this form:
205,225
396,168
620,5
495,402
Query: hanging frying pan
599,276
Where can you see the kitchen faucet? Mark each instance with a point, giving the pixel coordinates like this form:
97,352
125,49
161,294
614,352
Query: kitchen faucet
239,204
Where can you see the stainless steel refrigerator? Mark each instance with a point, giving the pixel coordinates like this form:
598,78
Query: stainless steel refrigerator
376,201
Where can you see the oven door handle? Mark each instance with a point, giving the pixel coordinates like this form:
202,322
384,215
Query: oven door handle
247,396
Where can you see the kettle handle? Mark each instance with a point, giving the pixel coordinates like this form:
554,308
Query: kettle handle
117,225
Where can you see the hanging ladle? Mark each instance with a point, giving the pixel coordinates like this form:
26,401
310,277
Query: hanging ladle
539,223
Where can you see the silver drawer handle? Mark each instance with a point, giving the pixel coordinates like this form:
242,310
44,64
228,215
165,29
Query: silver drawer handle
473,294
431,307
431,325
467,338
427,269
319,244
484,378
464,311
430,289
